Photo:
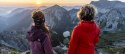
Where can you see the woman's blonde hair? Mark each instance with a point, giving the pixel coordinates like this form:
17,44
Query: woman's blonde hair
87,12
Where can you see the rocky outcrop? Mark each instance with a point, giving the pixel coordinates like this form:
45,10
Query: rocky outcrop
15,40
105,5
112,20
108,4
57,18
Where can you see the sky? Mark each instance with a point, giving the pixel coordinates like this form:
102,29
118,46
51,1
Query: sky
43,2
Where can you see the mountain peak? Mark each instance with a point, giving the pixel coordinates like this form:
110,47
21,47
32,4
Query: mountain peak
103,0
56,7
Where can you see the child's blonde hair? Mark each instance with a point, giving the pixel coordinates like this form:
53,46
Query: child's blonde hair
87,12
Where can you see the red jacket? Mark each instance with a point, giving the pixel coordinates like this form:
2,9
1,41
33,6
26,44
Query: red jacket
84,38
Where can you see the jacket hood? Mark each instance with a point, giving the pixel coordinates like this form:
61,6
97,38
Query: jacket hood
87,26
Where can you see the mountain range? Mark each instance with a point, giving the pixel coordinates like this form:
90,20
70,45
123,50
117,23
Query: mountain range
110,17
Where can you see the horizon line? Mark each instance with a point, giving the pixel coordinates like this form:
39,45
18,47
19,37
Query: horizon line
42,4
45,4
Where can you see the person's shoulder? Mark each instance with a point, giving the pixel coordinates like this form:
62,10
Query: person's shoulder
97,27
29,30
33,29
76,28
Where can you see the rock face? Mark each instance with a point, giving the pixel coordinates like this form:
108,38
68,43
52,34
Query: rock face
108,4
111,15
14,40
57,18
105,5
112,20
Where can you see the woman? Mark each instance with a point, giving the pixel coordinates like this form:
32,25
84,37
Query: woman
38,36
85,35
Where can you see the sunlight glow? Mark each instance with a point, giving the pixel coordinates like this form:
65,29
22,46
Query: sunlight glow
45,2
38,3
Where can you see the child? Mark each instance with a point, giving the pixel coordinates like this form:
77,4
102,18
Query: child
85,35
38,36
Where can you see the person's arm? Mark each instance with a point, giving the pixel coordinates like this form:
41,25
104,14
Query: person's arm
32,37
73,41
97,37
47,46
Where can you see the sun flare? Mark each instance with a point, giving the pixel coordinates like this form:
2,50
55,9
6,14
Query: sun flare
38,3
